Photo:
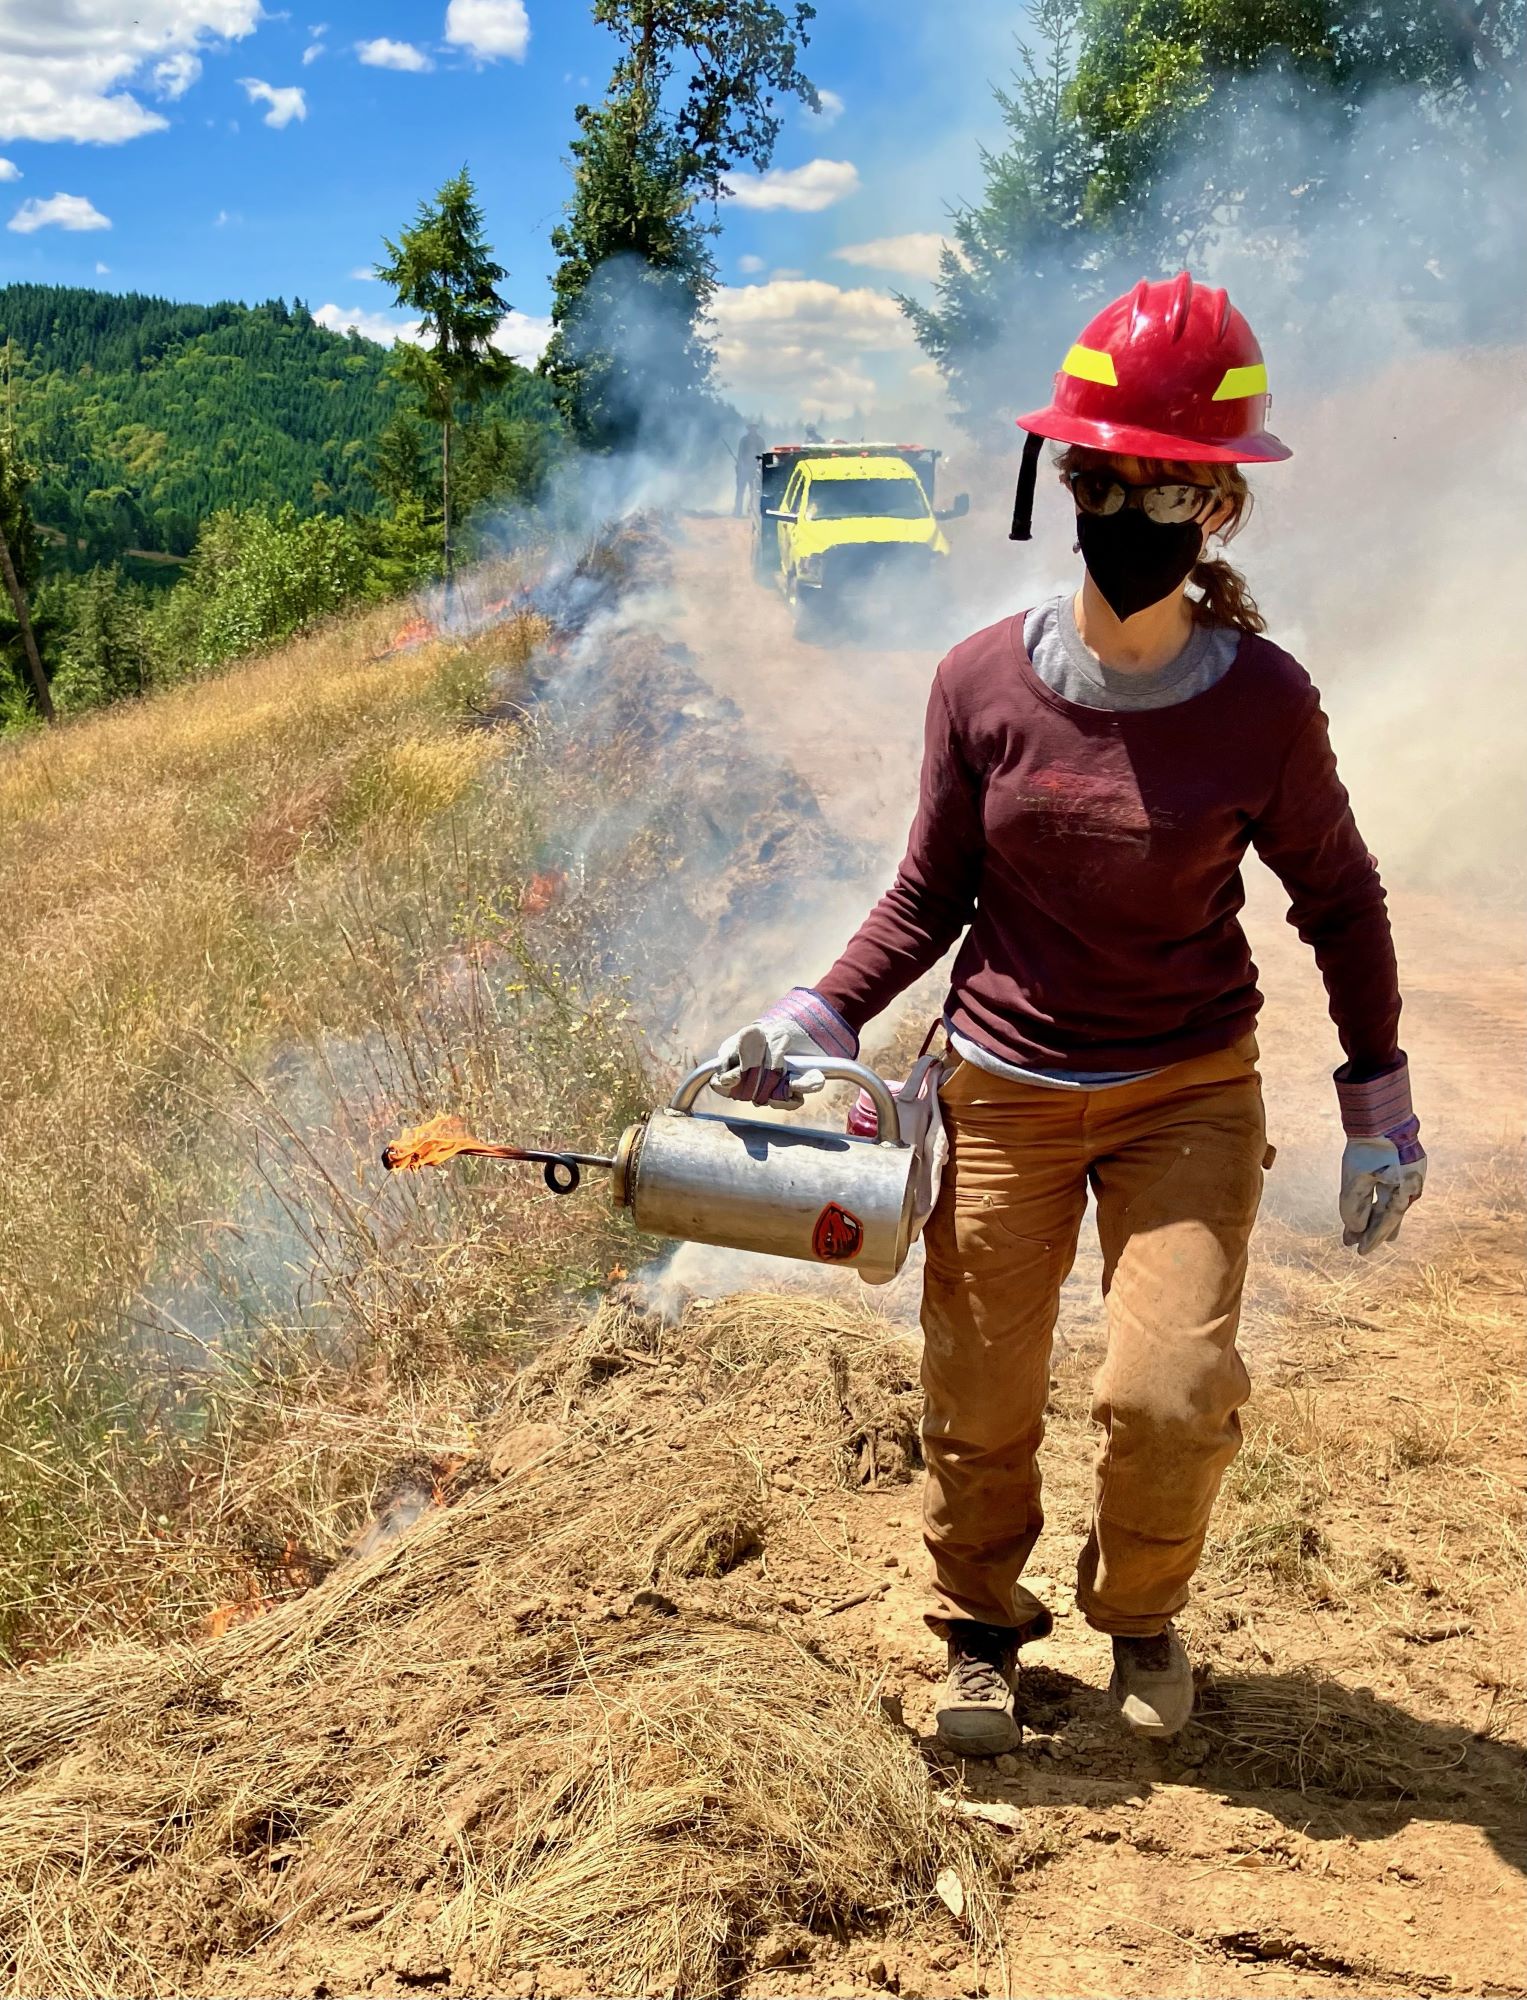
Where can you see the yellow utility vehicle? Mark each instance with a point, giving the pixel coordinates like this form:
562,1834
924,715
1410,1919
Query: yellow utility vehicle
850,526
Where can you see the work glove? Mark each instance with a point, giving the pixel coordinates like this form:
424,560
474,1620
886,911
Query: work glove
802,1025
1383,1168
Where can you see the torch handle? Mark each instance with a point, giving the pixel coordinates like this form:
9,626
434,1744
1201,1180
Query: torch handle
887,1125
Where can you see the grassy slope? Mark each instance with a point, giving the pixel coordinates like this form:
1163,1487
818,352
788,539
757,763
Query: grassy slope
240,923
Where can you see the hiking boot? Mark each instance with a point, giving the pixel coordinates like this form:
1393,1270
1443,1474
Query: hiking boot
975,1705
1152,1685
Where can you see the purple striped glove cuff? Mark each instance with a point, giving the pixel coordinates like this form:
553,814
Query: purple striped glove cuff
825,1025
1380,1108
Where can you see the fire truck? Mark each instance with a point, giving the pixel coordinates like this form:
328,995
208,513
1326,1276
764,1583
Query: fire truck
835,520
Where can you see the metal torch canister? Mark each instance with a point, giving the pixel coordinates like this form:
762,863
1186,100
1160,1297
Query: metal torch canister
780,1190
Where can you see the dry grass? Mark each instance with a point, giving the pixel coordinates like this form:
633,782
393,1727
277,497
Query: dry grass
1301,1732
635,1786
1266,1523
246,928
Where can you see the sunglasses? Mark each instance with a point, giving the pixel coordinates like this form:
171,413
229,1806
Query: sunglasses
1169,503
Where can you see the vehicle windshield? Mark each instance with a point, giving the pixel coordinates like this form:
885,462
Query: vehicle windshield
846,499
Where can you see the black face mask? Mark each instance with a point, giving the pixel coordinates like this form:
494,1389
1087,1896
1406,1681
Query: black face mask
1135,561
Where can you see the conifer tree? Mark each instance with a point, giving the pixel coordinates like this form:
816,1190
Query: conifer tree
1143,135
692,95
441,269
18,566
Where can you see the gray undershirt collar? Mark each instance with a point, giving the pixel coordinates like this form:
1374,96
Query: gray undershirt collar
1063,663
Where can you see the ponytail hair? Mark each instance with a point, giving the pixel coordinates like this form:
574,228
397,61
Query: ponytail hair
1223,595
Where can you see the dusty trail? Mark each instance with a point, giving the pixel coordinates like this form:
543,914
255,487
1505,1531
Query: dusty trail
1369,1533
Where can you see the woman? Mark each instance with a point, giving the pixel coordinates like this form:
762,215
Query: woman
1095,770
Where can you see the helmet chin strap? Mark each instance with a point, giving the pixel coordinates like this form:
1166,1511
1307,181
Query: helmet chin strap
1023,500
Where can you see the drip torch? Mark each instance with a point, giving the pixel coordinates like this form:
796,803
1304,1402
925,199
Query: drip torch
737,1182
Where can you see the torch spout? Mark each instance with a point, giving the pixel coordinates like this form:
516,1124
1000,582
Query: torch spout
442,1139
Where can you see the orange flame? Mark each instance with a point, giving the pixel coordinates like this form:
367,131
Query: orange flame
541,892
438,1140
295,1570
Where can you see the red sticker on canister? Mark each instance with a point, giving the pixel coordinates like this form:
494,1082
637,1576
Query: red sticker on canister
838,1236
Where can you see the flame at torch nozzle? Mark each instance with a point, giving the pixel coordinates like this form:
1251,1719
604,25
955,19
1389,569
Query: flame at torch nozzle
446,1138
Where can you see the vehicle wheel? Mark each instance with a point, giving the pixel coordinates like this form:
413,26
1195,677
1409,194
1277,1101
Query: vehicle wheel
803,607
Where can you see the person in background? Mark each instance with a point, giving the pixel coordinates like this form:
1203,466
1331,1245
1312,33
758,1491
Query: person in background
1095,771
749,445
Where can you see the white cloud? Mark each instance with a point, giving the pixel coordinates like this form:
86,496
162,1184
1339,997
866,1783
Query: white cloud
59,211
286,100
9,171
830,108
174,76
385,53
101,270
373,325
912,256
805,190
522,336
488,29
363,274
799,341
750,266
71,69
311,53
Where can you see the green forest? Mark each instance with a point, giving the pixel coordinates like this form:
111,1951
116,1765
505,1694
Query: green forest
181,482
144,417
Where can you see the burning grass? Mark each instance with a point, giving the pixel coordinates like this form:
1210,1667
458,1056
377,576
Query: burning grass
251,928
248,926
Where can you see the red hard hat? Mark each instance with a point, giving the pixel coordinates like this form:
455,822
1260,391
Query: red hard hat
1171,370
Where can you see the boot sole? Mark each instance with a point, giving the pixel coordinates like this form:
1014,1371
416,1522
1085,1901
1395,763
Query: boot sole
1156,1731
989,1737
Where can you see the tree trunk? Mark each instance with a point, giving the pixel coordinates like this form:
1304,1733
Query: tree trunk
445,499
645,51
18,599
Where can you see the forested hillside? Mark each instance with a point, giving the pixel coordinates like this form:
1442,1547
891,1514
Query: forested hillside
143,417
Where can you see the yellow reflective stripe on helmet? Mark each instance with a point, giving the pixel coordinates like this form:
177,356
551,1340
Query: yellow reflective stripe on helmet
1090,364
1236,382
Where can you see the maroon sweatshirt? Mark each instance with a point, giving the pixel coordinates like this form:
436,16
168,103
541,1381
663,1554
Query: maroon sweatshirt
1093,860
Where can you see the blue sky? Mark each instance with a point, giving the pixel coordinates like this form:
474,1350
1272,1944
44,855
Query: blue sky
206,149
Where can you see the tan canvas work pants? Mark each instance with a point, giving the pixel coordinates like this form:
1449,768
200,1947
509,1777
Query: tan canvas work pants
1175,1162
